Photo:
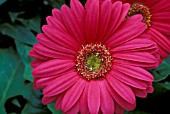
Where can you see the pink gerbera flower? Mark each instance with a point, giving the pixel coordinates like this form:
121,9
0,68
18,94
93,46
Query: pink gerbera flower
156,15
91,60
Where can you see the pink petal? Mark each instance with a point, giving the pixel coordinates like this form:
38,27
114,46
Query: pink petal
160,39
118,109
126,32
128,80
94,97
116,11
105,14
83,100
124,11
162,27
74,109
57,14
140,93
44,40
79,12
60,37
53,22
144,57
106,100
91,22
138,44
121,88
160,6
34,54
72,95
36,63
123,103
43,82
48,100
59,101
135,72
61,84
47,52
71,24
53,67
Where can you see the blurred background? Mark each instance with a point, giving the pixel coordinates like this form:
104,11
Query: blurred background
20,21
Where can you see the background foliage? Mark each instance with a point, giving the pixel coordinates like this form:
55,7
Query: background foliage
20,21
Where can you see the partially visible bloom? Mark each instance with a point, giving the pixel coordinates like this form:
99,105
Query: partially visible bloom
156,15
91,60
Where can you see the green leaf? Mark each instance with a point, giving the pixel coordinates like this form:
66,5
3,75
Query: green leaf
53,110
2,1
14,16
166,85
18,32
158,89
31,24
15,102
34,104
23,51
55,3
29,109
28,73
162,71
11,76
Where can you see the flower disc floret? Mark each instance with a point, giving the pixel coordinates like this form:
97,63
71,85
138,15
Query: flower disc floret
93,61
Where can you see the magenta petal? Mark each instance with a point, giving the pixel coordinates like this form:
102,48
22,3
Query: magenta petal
71,24
53,22
123,103
118,109
116,11
48,100
44,40
91,22
72,95
43,82
94,97
126,32
57,14
140,93
106,101
61,84
60,37
47,52
106,9
79,12
121,88
160,39
36,63
59,101
135,72
53,67
83,100
137,44
74,109
34,54
128,80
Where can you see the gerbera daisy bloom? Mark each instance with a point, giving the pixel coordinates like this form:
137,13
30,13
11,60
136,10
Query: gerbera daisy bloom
156,15
91,60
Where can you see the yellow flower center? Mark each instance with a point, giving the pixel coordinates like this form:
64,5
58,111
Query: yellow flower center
93,61
139,8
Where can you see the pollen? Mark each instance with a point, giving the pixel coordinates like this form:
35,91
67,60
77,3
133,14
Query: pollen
93,61
139,8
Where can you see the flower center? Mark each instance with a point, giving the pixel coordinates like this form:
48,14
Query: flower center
93,61
139,8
